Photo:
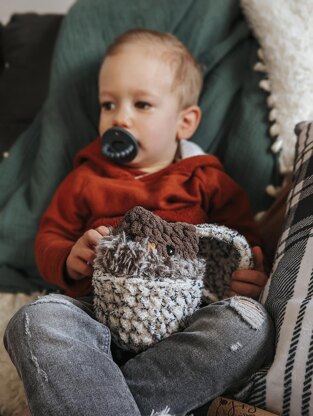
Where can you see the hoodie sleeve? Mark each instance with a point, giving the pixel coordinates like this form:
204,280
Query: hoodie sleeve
227,203
60,227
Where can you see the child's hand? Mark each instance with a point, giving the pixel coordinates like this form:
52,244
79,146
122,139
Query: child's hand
250,282
79,261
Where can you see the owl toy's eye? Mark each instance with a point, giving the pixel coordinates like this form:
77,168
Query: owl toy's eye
170,250
130,237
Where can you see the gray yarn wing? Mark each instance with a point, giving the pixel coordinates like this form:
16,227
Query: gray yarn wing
225,250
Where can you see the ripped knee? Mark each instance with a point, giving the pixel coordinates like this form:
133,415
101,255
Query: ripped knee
41,373
251,311
34,313
20,340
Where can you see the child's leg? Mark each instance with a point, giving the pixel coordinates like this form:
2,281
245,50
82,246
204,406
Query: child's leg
63,357
225,343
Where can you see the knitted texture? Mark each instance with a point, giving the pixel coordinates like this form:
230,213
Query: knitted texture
179,236
150,275
225,250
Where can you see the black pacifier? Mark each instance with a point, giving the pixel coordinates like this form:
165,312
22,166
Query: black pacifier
119,145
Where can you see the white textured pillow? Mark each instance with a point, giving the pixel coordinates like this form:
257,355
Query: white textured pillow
284,29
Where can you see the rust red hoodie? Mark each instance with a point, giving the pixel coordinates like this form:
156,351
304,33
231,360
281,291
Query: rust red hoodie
98,192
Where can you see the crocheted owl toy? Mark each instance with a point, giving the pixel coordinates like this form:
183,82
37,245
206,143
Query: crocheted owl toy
151,275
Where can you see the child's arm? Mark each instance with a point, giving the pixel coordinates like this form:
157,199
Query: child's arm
61,227
250,282
82,254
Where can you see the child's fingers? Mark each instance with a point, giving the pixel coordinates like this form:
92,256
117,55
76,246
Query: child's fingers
92,238
229,294
78,268
87,255
80,260
258,258
246,289
103,230
250,282
84,269
250,276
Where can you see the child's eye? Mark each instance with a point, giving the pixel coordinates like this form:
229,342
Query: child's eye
107,106
142,105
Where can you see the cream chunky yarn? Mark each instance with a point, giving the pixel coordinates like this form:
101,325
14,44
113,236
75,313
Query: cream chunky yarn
150,276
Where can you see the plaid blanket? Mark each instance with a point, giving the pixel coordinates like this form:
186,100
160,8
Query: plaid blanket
286,387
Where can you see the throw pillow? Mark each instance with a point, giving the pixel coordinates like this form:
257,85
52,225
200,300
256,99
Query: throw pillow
285,33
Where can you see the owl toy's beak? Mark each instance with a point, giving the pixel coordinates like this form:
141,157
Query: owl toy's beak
151,246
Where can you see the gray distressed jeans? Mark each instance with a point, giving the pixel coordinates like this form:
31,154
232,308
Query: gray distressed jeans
65,361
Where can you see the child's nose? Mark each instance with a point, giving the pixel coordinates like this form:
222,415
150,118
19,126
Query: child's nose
122,118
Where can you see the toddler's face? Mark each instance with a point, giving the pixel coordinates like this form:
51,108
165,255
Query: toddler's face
135,93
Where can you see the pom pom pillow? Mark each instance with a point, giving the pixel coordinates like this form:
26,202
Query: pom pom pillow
284,30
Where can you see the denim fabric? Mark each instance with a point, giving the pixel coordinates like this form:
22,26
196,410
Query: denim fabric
64,359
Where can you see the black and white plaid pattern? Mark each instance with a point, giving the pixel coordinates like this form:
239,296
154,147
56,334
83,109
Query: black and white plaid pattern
286,388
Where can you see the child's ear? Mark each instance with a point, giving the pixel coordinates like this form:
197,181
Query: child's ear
188,121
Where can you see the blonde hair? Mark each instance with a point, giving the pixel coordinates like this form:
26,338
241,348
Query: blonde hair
188,73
